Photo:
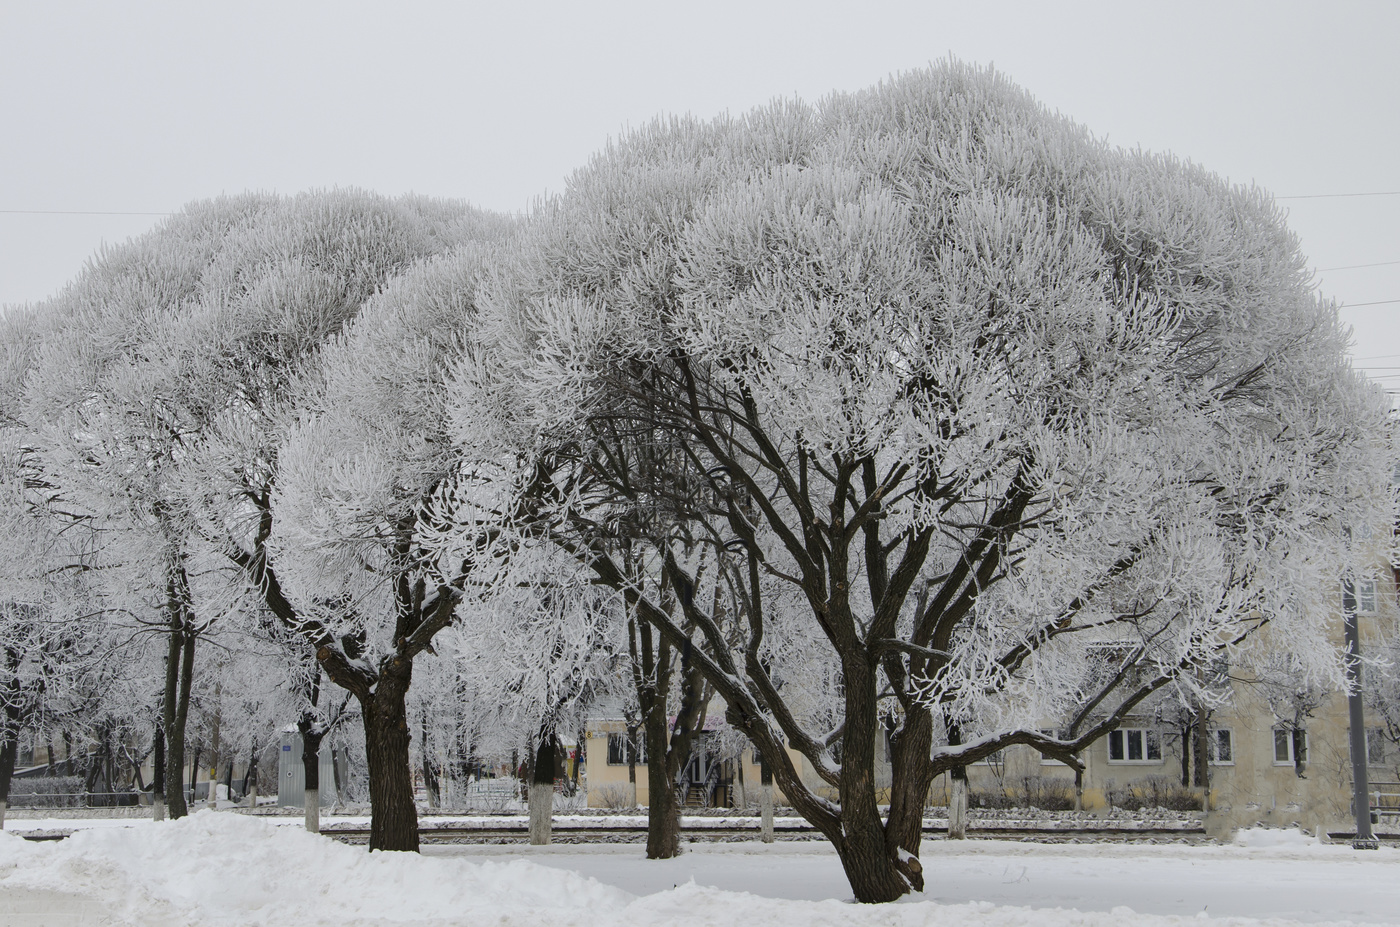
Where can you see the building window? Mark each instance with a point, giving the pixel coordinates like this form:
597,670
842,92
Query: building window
1221,747
621,751
1365,596
996,758
1284,739
1054,735
1134,745
1375,747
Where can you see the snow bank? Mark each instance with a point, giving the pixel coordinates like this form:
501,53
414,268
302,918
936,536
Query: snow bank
1273,837
214,868
224,869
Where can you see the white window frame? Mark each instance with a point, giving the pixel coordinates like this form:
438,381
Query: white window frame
1284,736
1213,746
996,757
1366,597
1148,739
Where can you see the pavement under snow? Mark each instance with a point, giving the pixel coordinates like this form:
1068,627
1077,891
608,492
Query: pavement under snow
227,869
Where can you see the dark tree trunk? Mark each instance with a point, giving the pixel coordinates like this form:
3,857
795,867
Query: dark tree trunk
1202,752
9,740
9,752
663,804
158,775
871,862
194,772
393,816
1185,729
250,775
311,736
632,760
337,756
430,776
911,774
178,672
542,776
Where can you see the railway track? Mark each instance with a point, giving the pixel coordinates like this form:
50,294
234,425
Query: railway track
513,833
784,830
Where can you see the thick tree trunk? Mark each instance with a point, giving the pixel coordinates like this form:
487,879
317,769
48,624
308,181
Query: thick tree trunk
765,799
393,817
911,775
542,791
663,804
9,752
158,776
875,871
311,736
957,803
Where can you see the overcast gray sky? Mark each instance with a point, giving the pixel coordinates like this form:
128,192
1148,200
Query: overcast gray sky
140,107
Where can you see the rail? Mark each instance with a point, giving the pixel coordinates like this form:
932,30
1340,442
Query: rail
785,829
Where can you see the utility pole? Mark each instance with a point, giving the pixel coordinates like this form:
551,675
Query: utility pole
1361,792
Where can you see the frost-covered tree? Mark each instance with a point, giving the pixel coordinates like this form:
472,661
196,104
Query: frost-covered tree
169,363
355,476
543,653
984,396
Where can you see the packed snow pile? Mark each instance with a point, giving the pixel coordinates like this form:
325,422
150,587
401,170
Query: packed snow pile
225,869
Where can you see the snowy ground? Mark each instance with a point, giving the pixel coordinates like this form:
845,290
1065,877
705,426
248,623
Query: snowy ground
226,869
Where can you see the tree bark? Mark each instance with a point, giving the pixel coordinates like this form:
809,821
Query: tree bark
876,870
158,776
430,778
542,790
250,778
663,805
957,803
178,674
393,816
311,736
9,752
911,775
765,801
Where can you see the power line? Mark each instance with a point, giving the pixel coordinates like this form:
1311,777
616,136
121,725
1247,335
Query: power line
75,212
1323,270
1334,196
1378,302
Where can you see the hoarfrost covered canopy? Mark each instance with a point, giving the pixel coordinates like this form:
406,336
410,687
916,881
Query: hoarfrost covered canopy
925,385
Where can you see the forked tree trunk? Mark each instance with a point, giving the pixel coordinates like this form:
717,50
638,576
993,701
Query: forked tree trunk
179,671
393,817
873,866
542,791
